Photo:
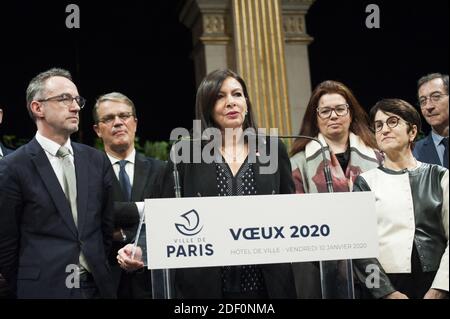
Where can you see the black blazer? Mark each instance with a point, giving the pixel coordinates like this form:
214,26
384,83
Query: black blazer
199,179
38,236
5,150
4,288
126,217
426,152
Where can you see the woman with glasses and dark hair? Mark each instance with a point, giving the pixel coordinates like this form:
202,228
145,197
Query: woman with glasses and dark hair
223,106
412,211
335,117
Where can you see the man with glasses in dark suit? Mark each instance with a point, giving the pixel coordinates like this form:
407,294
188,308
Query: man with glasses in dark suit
433,101
56,218
116,123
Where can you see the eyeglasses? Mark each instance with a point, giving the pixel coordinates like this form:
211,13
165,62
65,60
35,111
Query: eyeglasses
67,99
108,119
391,122
325,112
434,97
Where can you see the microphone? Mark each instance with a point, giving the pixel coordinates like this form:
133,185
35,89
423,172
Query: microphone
326,166
176,177
175,174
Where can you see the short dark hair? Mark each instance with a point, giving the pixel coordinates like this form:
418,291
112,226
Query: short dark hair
36,86
432,76
402,109
207,95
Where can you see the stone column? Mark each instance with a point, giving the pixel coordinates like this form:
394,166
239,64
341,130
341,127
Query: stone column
296,57
260,59
263,40
210,23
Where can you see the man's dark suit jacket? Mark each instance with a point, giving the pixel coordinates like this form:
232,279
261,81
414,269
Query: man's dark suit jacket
426,152
5,150
126,215
199,179
38,236
4,289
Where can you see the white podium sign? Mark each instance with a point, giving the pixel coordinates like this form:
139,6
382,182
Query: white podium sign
265,229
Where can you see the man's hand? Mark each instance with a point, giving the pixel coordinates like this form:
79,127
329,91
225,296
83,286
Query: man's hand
436,294
125,261
396,295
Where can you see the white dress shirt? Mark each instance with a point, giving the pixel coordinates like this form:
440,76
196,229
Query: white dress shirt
51,148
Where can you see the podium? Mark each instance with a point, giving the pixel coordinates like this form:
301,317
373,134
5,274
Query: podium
331,228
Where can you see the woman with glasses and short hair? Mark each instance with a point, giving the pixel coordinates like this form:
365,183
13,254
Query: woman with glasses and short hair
335,117
412,211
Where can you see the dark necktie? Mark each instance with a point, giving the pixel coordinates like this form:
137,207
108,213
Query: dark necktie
445,143
124,180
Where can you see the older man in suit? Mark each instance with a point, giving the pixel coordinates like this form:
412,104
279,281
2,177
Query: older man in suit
56,219
433,100
115,123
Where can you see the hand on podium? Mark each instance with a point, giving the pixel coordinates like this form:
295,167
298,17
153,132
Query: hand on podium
396,295
129,261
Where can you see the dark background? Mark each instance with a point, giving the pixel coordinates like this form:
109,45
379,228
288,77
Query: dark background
140,48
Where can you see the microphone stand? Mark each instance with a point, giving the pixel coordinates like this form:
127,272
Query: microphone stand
348,265
165,278
167,283
326,166
176,177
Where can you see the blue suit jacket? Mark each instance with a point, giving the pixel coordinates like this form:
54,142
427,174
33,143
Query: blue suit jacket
426,152
38,236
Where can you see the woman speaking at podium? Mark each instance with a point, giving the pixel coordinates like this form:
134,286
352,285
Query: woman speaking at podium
412,212
223,106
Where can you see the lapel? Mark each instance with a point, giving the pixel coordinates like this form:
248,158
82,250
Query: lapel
429,151
48,177
117,189
264,182
205,174
142,168
81,161
5,150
